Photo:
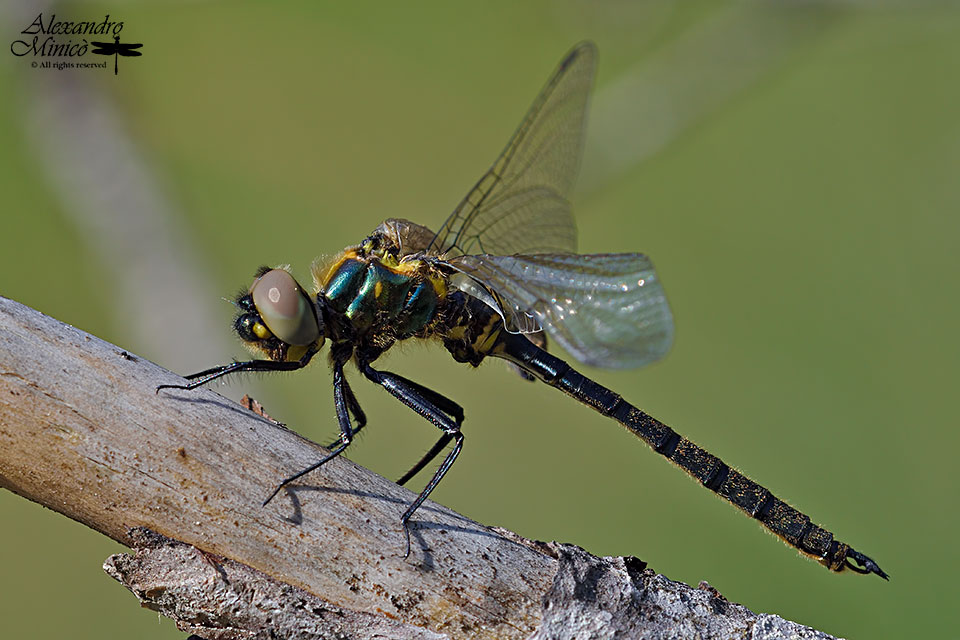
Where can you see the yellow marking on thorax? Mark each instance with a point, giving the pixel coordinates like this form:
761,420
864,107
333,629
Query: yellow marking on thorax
412,268
407,267
485,341
458,332
439,284
388,261
324,268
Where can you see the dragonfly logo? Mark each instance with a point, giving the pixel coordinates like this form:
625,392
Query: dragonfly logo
58,43
116,49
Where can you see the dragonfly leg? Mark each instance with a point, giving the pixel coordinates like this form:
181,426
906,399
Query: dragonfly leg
427,458
414,396
342,398
208,375
445,404
353,405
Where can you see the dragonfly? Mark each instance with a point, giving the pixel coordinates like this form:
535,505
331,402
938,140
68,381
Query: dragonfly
499,278
116,49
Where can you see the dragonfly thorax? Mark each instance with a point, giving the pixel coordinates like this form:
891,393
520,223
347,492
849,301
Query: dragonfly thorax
374,293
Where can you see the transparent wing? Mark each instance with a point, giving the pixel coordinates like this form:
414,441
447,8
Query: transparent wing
607,310
520,205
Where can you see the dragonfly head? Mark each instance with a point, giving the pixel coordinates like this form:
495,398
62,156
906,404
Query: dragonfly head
277,317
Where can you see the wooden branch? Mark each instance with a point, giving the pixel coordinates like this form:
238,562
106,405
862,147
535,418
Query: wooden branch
180,476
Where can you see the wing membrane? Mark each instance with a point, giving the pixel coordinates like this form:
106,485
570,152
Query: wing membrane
607,310
520,205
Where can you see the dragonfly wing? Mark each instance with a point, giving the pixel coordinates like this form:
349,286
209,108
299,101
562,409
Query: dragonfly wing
606,310
520,205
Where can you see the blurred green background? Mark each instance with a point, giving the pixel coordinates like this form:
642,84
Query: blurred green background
792,171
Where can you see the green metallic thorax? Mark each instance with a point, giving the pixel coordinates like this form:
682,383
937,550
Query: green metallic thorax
379,295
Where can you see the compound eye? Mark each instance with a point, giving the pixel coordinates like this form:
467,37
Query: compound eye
284,308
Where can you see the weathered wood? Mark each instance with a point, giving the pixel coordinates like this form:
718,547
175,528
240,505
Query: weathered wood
591,597
220,599
83,432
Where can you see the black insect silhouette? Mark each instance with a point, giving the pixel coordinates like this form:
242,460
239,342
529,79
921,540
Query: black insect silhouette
115,49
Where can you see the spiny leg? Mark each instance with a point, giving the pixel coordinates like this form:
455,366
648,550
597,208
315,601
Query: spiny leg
413,397
208,375
445,404
427,458
434,481
442,402
341,403
353,405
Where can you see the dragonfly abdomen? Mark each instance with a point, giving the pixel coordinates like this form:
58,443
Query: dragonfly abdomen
787,523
